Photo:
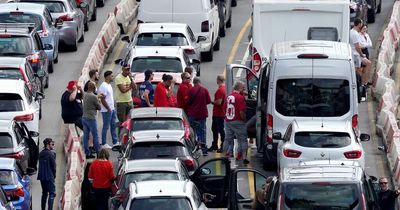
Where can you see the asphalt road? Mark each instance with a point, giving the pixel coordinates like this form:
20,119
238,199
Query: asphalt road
232,50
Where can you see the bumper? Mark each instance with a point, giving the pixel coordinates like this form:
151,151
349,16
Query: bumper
68,33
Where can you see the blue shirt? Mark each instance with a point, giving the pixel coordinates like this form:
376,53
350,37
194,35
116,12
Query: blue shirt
47,165
146,85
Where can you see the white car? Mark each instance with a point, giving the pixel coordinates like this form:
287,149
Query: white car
166,34
160,59
308,140
17,102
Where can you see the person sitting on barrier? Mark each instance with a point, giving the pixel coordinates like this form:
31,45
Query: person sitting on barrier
47,173
71,105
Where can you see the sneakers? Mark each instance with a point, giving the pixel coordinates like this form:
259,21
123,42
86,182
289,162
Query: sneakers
106,146
116,144
212,148
219,150
363,99
92,149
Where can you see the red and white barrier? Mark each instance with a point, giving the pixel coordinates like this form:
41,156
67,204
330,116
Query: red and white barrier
71,196
125,12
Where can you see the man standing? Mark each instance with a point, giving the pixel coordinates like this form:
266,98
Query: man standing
235,123
90,106
217,126
71,105
146,90
47,173
183,91
163,95
387,198
198,98
108,110
93,77
123,97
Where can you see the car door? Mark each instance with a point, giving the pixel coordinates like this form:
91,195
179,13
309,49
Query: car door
373,188
281,144
193,40
234,73
215,20
212,177
21,147
31,144
34,81
52,30
39,48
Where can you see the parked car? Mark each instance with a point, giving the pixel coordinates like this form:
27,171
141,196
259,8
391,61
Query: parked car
18,103
22,40
225,16
16,183
66,11
89,9
5,202
358,9
40,16
166,34
307,140
374,7
20,69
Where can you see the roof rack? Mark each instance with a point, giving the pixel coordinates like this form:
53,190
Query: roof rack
30,26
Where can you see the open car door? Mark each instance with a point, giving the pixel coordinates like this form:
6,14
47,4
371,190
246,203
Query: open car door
236,72
212,177
33,147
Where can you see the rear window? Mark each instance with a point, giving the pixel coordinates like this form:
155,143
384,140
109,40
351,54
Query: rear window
148,176
147,150
322,196
53,6
15,45
8,178
10,73
22,18
312,97
322,139
6,140
165,203
10,102
157,124
161,39
159,64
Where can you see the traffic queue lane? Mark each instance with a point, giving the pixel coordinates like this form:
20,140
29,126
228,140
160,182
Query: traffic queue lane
71,63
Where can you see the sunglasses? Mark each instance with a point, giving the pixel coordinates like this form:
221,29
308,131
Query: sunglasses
187,78
382,182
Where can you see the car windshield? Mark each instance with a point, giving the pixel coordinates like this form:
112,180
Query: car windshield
175,90
312,97
322,196
322,139
10,102
8,177
143,124
52,6
10,73
6,140
147,150
14,45
161,39
159,64
21,17
161,203
148,176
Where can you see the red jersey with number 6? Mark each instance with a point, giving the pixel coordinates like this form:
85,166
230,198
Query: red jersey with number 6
235,103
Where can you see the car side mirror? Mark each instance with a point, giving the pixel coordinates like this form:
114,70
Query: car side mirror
201,39
277,136
39,96
83,5
205,171
58,23
34,133
365,137
118,61
30,171
126,39
47,47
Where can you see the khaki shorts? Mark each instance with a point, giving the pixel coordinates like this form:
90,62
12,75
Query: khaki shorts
123,110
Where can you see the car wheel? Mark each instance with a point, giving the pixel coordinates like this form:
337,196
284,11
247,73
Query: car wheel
100,3
217,44
51,69
222,30
40,110
378,10
207,56
371,15
56,59
94,15
47,82
86,24
82,39
234,3
229,22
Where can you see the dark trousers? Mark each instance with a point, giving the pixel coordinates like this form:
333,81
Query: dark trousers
48,190
217,127
101,196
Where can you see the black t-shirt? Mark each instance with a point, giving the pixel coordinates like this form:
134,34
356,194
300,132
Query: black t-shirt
387,199
71,111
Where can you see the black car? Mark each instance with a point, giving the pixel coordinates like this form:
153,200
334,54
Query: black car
22,40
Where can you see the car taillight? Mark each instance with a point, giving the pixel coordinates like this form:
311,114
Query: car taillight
189,163
66,18
25,117
291,153
270,124
354,121
17,155
256,60
34,58
186,128
205,26
15,193
189,51
355,154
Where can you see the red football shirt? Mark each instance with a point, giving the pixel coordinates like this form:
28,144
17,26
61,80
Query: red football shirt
182,95
235,103
102,173
218,110
160,96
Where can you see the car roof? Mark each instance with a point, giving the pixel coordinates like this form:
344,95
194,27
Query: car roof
325,125
6,126
139,77
22,7
168,165
291,49
162,27
158,136
12,86
7,163
160,188
11,61
157,51
154,112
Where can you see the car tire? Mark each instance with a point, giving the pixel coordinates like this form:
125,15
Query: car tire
86,24
379,9
222,30
207,56
74,47
371,15
100,3
94,15
229,22
56,59
40,110
234,3
217,44
51,67
82,39
47,82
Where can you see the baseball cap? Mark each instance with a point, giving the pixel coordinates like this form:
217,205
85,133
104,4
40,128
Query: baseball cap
71,84
148,72
47,141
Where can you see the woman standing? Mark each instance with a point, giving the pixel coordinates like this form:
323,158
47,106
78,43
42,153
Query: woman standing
101,171
365,40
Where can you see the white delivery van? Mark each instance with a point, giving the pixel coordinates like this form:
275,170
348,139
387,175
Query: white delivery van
200,15
290,20
303,80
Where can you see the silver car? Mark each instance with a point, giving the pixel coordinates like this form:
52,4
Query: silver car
66,11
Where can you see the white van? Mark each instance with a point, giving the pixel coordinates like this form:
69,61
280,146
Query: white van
200,15
304,80
290,20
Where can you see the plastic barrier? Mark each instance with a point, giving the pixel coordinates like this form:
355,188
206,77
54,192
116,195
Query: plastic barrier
71,196
125,12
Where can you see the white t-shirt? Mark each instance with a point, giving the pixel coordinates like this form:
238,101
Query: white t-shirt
107,90
354,38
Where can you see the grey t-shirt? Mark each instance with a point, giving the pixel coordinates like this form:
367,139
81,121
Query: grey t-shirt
90,106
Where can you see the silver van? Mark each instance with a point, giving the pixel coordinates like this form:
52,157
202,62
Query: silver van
303,80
